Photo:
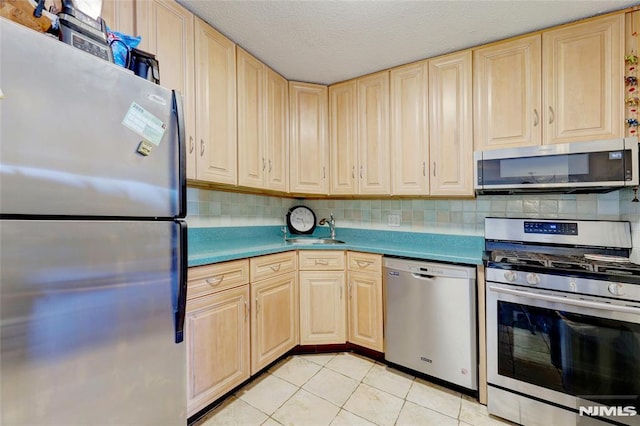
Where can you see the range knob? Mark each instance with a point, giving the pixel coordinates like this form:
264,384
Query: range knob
533,279
510,276
616,289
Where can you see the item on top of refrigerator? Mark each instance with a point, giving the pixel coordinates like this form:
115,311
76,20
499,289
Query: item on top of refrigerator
83,31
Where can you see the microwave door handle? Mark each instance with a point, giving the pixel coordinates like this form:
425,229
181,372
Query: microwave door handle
567,301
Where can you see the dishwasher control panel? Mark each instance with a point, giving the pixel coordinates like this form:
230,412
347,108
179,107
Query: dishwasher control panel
423,268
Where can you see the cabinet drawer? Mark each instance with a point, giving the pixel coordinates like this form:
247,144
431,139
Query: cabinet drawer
364,262
206,279
321,260
271,265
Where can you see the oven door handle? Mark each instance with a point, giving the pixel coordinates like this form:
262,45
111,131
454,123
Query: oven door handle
567,301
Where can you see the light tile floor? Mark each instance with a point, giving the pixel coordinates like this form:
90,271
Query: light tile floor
345,389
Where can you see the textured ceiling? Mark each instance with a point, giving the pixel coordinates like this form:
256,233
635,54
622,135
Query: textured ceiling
330,41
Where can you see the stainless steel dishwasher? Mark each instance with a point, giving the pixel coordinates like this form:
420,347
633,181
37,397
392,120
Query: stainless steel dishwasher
430,318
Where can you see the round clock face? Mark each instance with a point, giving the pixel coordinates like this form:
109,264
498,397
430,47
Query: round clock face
301,220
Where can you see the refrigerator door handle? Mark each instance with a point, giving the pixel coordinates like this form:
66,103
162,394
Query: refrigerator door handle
178,110
182,286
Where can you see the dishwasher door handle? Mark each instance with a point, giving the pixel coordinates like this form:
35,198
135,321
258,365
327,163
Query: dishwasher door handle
423,276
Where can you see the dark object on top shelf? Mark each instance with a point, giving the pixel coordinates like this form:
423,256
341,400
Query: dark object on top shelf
84,32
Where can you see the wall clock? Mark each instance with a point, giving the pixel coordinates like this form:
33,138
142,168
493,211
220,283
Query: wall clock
301,220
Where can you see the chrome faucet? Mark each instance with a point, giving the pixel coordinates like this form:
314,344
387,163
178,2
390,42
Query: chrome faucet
332,225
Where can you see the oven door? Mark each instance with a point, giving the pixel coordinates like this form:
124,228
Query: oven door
564,350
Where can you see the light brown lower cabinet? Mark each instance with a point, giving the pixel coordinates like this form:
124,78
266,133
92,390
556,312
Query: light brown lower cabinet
217,338
274,308
323,309
365,300
242,315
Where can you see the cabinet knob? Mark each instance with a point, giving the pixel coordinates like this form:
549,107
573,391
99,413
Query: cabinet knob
192,145
536,118
552,115
201,147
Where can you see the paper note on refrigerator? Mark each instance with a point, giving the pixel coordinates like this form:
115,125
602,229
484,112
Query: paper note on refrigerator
144,123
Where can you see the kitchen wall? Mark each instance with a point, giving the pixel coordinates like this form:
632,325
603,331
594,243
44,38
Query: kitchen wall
208,208
631,211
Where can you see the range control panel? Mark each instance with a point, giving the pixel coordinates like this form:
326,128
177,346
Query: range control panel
557,228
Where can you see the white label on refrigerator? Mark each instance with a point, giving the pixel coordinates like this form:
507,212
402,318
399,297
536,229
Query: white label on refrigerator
144,123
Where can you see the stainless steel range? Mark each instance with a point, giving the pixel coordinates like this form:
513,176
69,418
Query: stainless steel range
563,322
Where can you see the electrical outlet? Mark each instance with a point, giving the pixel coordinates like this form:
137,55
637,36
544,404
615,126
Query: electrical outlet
394,219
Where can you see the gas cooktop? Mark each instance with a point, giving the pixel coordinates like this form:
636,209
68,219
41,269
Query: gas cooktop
587,262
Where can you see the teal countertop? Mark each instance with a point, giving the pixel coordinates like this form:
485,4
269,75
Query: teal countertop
213,245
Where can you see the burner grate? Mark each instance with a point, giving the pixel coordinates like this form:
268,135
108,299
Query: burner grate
573,263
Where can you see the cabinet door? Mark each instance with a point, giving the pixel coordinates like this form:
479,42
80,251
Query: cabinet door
373,134
365,310
450,125
119,15
167,30
343,136
309,148
277,132
583,68
409,130
322,307
216,141
507,94
274,321
217,339
252,162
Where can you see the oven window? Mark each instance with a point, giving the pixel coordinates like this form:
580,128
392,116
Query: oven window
593,358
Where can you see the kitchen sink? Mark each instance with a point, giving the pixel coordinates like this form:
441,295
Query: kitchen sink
303,240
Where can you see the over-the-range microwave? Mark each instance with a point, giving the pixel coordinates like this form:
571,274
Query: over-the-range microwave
579,167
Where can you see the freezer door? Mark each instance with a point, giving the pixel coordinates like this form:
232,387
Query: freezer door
88,323
68,147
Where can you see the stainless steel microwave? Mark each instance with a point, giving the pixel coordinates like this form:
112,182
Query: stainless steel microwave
580,167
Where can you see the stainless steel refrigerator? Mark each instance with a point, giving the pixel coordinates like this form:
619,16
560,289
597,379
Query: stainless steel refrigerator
92,249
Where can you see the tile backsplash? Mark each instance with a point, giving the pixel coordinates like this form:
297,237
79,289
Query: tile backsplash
207,208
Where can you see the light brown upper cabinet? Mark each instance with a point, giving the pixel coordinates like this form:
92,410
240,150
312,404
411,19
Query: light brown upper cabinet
583,70
309,147
252,162
167,30
373,134
343,136
216,138
359,136
508,96
120,15
450,125
277,132
409,129
262,125
565,85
